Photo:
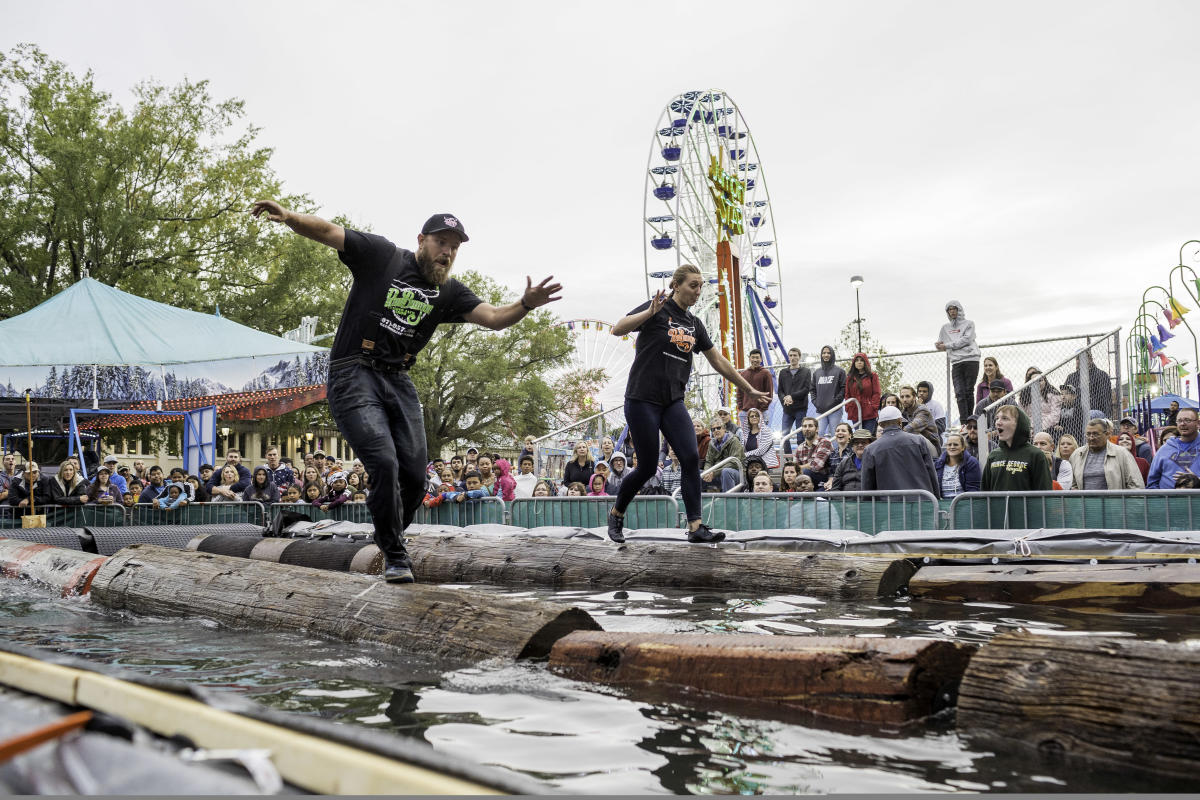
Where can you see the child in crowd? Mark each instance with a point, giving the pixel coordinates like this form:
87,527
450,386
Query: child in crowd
475,489
576,489
596,485
447,486
312,493
359,497
173,499
543,489
129,500
291,495
338,493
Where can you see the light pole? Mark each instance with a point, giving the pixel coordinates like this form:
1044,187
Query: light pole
856,281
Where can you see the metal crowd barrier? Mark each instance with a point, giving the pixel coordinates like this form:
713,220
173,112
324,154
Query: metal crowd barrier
1148,510
645,511
484,511
114,516
869,512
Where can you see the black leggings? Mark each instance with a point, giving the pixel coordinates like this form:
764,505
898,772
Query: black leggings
645,420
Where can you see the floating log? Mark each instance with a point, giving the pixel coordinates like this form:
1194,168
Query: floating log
1131,703
557,563
848,678
361,557
68,572
1165,587
450,623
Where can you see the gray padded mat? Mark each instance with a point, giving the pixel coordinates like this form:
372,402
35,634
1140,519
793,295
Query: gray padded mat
66,538
110,540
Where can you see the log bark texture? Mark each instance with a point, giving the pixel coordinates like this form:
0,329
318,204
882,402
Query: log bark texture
1084,587
450,623
1078,699
557,563
68,572
848,678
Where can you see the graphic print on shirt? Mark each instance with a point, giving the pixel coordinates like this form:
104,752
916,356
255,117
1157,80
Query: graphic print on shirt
682,336
409,305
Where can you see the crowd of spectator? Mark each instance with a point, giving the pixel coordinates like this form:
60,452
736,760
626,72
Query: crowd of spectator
323,482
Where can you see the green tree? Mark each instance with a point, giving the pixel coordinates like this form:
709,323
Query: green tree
487,387
889,369
151,199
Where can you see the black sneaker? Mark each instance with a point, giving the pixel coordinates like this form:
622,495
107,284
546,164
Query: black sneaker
398,573
705,535
615,527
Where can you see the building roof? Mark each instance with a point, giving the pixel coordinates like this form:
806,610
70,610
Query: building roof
262,404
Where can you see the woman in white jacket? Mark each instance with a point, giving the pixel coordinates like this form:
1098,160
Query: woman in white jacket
957,339
758,439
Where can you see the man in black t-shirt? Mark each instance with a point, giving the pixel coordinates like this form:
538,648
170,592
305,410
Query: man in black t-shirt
397,300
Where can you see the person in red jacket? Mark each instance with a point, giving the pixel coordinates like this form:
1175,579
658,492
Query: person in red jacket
759,377
863,385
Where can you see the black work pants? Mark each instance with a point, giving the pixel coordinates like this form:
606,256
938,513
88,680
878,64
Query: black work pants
963,375
380,416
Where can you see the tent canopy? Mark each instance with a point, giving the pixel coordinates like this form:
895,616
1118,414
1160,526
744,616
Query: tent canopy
92,323
1163,402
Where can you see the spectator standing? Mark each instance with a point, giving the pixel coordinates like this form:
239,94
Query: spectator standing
759,377
723,445
897,460
156,486
758,439
1103,465
991,372
1060,469
281,474
957,340
863,385
1126,442
795,385
1070,414
103,491
1067,445
262,487
505,486
7,473
526,480
925,398
1172,412
1099,385
233,458
580,468
848,477
995,392
1041,402
226,491
829,391
1015,465
957,470
116,477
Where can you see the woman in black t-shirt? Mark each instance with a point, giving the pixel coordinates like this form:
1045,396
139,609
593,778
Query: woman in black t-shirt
667,335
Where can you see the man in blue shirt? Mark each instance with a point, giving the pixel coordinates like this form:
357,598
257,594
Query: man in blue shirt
1176,456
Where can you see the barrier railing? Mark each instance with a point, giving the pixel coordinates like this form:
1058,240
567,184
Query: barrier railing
646,511
714,472
109,516
485,510
1148,510
869,512
346,512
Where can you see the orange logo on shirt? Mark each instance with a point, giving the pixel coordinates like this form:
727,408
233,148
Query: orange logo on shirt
681,336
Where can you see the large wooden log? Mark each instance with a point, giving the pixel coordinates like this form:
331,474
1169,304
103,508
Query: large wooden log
338,556
68,572
1081,699
450,623
1166,587
557,563
848,678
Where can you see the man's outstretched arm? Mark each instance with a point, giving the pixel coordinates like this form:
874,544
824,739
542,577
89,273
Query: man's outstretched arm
307,225
500,317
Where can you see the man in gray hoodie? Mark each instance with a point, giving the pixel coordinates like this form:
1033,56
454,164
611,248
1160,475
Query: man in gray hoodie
828,390
957,339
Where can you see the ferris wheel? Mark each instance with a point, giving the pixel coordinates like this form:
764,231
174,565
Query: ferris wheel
596,347
706,204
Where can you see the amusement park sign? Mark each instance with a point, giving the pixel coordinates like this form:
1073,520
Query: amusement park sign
728,194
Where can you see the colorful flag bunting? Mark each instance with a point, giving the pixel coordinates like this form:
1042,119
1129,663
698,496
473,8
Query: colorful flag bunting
1183,373
1164,335
1171,318
1178,307
1163,358
1155,344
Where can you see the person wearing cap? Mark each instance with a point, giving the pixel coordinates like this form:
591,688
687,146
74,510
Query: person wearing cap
727,421
396,301
1129,425
322,466
996,390
897,460
472,457
848,477
970,430
114,474
957,340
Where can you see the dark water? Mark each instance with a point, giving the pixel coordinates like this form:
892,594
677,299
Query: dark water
586,739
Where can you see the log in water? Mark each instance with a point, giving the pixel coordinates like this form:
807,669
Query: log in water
68,572
849,678
1131,703
449,623
557,563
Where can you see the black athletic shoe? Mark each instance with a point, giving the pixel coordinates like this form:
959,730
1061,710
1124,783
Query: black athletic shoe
398,573
615,527
705,535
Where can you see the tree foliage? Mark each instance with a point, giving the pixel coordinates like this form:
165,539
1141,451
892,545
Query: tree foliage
889,369
151,199
490,387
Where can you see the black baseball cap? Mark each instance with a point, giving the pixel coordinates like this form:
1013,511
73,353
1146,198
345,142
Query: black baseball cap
444,222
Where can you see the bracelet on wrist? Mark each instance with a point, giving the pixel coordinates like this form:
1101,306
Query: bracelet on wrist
524,306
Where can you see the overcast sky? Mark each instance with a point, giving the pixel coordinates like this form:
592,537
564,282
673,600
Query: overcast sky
1035,160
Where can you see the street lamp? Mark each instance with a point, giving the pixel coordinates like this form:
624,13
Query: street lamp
856,281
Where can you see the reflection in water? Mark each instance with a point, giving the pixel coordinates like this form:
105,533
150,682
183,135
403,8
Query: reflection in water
588,739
